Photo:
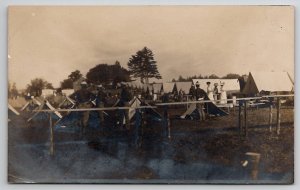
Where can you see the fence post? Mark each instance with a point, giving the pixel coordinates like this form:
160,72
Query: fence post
51,135
270,117
138,124
278,116
240,117
169,126
245,118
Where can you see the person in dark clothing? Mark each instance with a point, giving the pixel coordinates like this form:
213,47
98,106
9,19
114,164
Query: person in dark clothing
100,101
125,98
192,92
83,99
200,94
165,99
216,92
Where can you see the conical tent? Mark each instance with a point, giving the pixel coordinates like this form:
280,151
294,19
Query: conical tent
13,110
157,87
268,81
168,87
184,86
209,107
43,116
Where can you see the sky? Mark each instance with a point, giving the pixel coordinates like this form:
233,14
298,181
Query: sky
50,42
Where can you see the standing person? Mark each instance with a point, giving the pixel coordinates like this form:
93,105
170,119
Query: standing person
125,98
223,94
180,95
100,101
200,95
210,91
216,92
165,99
84,99
192,92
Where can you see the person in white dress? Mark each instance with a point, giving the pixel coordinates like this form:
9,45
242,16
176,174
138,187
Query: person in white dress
223,94
210,91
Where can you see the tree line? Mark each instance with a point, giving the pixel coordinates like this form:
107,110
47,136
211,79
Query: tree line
141,66
212,76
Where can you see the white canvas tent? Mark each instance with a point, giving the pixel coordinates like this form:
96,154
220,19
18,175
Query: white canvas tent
157,87
135,84
33,101
134,103
268,81
149,86
45,105
230,85
13,109
68,92
168,87
47,92
184,86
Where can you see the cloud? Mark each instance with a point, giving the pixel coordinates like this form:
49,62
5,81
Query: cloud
51,42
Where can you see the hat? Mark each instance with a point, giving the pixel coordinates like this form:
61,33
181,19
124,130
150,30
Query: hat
83,83
216,84
222,83
99,86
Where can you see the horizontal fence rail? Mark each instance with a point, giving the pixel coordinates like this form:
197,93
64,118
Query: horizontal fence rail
242,125
160,104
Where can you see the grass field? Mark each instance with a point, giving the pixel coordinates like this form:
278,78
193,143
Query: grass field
198,152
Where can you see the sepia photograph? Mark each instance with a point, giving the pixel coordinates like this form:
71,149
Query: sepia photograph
151,94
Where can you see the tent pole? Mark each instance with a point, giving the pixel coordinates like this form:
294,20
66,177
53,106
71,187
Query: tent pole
51,135
278,116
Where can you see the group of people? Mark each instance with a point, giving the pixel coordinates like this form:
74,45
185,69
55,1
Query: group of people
212,93
84,99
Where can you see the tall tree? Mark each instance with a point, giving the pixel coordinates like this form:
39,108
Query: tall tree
142,65
37,85
104,73
12,90
231,76
213,76
66,84
75,75
72,77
